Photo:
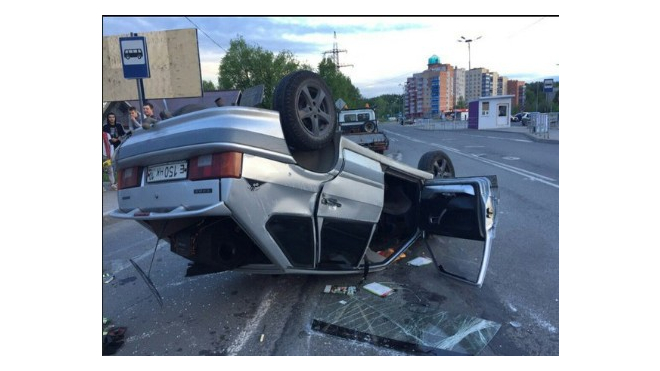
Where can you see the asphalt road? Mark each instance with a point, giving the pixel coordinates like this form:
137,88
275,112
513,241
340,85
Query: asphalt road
234,313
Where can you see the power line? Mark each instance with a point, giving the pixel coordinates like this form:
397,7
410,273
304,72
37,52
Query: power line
207,35
524,28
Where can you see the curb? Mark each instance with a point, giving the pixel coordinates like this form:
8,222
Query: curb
528,135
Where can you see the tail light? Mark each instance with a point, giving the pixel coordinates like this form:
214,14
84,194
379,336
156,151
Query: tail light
218,165
129,177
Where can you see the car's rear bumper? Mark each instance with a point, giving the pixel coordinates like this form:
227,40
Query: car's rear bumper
176,199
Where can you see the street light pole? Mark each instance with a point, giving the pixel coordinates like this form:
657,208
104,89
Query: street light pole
468,42
403,98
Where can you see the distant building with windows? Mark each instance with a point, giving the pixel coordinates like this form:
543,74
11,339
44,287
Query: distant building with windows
517,89
438,89
431,92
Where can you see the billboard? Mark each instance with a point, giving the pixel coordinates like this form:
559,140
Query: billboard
173,64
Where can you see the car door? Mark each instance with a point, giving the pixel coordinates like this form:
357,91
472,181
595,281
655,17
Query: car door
458,217
348,209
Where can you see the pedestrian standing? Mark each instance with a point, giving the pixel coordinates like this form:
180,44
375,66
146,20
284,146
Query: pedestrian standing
115,134
133,122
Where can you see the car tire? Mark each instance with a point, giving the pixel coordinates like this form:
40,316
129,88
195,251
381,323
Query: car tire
305,91
437,163
369,127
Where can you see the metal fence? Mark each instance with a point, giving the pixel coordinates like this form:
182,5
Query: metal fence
540,123
429,124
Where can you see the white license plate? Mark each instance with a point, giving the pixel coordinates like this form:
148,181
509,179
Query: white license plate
168,171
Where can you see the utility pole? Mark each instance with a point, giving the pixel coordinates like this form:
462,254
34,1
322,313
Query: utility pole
335,54
468,42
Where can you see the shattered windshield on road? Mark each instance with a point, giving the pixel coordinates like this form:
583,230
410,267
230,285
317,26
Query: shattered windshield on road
411,326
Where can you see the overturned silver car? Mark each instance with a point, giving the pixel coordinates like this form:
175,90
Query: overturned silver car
280,191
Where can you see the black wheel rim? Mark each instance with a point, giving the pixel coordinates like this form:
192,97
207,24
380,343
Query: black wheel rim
441,169
313,111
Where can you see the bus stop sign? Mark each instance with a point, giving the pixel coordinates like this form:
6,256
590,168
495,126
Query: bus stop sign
548,85
134,57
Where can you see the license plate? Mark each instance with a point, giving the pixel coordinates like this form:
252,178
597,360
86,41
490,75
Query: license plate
168,171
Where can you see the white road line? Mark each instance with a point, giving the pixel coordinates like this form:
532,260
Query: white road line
525,173
252,326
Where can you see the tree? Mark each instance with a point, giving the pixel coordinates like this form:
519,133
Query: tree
537,101
461,102
245,66
340,85
207,85
388,105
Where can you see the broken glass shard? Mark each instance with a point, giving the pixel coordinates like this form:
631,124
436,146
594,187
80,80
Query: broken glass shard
396,323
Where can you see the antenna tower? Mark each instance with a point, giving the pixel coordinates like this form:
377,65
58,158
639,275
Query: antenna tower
335,54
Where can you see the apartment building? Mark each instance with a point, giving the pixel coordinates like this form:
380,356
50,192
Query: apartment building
440,86
502,87
431,92
517,89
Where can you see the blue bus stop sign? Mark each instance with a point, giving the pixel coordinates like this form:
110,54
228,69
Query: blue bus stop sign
548,85
134,58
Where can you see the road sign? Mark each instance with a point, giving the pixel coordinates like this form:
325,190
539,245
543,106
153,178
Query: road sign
548,85
134,58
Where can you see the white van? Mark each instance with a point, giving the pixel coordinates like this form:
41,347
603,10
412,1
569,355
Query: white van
358,121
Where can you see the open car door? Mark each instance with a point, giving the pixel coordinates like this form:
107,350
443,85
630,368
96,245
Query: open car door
458,216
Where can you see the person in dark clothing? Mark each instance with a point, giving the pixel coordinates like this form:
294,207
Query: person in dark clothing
115,130
148,110
116,133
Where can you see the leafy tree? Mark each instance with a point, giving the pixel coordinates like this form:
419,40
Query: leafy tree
207,85
537,101
387,105
245,66
340,85
461,102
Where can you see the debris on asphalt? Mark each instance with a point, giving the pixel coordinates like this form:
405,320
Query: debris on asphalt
113,339
419,261
107,277
515,324
378,289
390,251
345,290
343,302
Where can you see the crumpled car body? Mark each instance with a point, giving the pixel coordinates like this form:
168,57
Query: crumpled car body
228,192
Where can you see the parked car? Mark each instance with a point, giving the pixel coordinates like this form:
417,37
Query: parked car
523,117
281,191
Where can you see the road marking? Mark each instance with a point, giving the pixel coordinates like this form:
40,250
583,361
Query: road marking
252,326
525,173
500,138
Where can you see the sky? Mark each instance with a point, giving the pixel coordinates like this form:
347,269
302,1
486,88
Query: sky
383,51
